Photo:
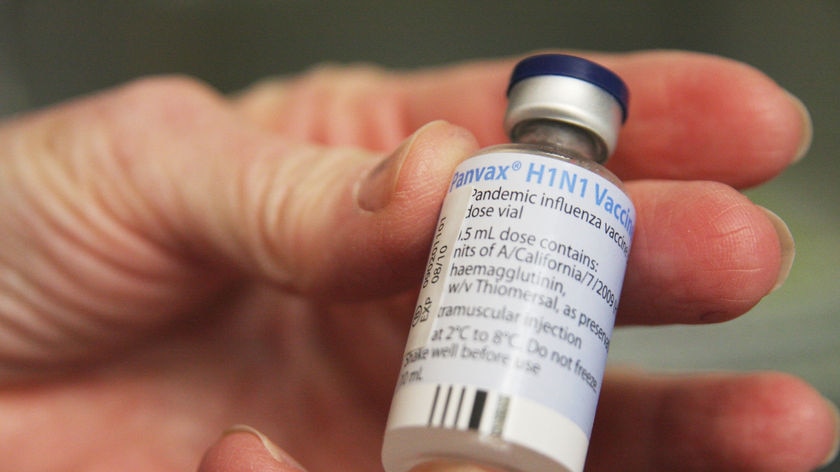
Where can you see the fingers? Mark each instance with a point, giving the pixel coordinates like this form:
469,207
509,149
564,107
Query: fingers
753,422
244,449
703,117
692,116
702,253
341,221
148,199
333,106
144,203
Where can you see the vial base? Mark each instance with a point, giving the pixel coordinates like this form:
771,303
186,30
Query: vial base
464,424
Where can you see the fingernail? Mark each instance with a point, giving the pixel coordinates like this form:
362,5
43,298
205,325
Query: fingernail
375,189
787,246
451,466
832,455
807,126
278,454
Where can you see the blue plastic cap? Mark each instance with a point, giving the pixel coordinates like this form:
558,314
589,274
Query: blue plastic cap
576,67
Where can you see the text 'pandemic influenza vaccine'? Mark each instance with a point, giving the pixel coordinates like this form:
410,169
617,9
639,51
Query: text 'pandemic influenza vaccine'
510,334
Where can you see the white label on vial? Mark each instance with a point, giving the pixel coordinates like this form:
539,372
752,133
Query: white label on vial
521,287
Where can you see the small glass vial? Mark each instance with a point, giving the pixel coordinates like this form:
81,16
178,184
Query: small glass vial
510,334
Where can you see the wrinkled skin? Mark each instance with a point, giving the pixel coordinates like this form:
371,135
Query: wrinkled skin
175,262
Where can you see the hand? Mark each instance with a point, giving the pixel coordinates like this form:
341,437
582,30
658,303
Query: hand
175,262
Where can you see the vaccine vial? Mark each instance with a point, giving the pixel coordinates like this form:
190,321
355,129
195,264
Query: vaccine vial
509,338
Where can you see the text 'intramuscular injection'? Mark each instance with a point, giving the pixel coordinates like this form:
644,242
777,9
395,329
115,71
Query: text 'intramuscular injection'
510,334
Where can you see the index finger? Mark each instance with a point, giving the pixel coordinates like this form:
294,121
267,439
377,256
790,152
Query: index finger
692,116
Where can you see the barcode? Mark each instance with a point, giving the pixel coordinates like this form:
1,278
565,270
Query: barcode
462,407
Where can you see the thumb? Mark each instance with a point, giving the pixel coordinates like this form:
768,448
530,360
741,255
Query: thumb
314,219
341,221
364,226
137,204
144,203
242,448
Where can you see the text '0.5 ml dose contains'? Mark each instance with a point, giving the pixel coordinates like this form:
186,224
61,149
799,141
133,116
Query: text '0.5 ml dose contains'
510,334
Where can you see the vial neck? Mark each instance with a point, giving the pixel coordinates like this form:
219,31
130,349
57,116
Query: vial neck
560,138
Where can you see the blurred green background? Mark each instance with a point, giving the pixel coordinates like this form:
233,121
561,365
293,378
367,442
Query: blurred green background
51,50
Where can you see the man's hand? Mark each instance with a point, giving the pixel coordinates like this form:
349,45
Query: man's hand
175,262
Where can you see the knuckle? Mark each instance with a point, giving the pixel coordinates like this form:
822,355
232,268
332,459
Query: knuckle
156,109
341,82
167,98
177,88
